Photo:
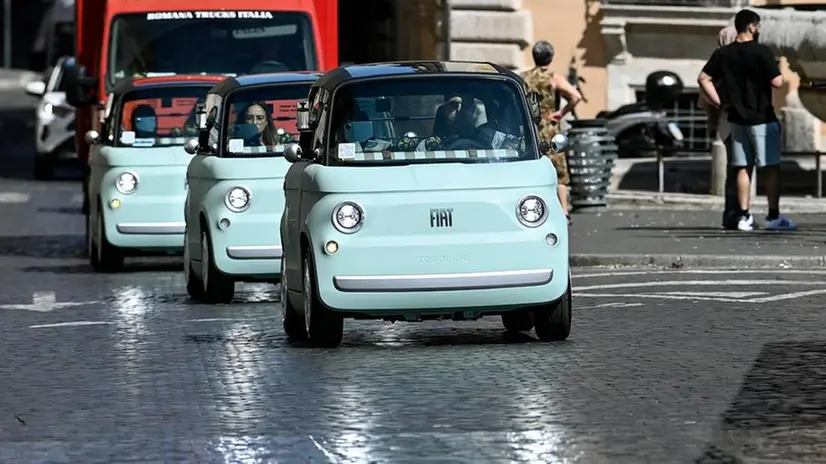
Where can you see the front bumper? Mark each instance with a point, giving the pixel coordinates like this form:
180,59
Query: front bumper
249,247
415,275
443,282
151,225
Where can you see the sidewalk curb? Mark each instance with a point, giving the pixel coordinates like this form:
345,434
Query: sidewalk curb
790,205
676,261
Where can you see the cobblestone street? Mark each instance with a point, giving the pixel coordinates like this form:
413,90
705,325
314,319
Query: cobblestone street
711,366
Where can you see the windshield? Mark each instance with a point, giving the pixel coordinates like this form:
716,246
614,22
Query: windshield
159,117
210,42
430,120
261,120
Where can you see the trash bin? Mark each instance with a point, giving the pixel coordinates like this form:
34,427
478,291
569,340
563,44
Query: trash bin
591,155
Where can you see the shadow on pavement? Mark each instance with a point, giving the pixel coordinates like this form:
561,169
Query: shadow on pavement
687,175
129,268
780,410
71,210
807,234
44,246
461,337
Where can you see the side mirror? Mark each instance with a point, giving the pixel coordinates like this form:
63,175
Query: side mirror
191,146
36,88
302,116
92,137
201,116
80,88
293,153
559,143
534,100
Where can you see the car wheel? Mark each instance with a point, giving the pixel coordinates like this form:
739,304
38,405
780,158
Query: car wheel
194,286
324,327
293,324
217,287
552,321
43,169
104,257
518,321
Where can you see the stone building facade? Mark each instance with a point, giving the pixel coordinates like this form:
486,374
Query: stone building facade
615,44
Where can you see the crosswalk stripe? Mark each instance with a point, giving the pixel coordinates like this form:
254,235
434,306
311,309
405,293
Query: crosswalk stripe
14,197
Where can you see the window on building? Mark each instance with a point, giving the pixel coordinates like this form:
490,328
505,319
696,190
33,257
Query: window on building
692,121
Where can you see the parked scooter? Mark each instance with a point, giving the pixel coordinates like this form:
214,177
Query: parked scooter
643,129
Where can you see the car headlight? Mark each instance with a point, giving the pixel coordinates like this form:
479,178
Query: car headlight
48,109
238,199
532,211
348,217
126,183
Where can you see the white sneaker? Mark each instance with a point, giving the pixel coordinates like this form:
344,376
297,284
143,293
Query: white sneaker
746,223
781,223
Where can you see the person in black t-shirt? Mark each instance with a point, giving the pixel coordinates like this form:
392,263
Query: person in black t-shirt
748,72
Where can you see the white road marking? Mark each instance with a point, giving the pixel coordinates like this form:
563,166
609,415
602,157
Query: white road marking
685,283
69,324
787,296
615,305
660,297
45,302
214,319
715,294
738,297
14,197
332,457
699,271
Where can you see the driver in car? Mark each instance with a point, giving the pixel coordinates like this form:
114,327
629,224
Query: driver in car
476,126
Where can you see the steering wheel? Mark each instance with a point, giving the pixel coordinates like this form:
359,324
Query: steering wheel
463,143
269,67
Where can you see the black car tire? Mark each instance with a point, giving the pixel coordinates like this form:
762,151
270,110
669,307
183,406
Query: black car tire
324,327
520,320
217,286
552,321
103,256
43,168
293,323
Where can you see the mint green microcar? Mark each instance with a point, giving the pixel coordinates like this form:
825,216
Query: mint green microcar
138,168
420,191
236,195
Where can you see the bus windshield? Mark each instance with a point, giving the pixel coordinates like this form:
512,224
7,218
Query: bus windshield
159,117
209,42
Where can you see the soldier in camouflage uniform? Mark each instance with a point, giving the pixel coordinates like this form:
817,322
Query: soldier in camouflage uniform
543,80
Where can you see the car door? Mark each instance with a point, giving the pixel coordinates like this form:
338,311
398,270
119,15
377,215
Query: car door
295,209
198,172
98,165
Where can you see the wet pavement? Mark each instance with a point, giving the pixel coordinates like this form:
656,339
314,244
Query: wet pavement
662,366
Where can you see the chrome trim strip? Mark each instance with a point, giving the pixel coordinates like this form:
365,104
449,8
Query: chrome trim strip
443,282
152,228
254,252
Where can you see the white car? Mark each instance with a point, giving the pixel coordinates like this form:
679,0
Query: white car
54,123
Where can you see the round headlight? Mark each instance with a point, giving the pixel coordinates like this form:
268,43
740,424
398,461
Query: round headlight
48,109
347,217
238,199
531,211
126,183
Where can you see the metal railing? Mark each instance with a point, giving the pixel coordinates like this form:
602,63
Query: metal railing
692,3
